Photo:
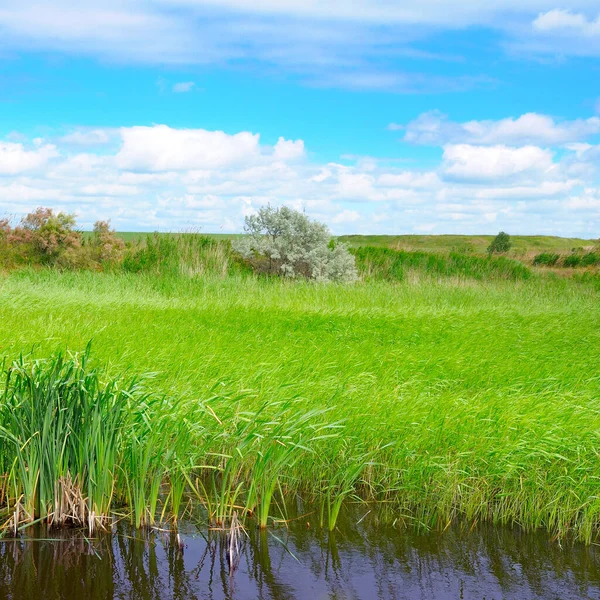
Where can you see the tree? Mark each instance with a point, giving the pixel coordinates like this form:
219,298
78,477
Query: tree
286,242
500,244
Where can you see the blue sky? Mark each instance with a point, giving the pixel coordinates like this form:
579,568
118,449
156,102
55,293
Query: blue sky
373,116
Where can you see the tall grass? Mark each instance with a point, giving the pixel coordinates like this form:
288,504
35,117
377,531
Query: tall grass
439,401
384,263
188,254
61,432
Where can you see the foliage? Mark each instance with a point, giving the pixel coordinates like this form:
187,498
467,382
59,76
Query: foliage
546,259
576,259
61,431
395,265
107,248
283,241
47,237
500,244
183,254
590,259
573,260
240,362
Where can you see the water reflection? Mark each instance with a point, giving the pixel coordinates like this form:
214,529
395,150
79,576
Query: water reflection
361,560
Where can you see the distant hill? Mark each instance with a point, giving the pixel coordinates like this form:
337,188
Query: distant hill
522,244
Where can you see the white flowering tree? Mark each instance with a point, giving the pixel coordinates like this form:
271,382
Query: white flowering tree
286,242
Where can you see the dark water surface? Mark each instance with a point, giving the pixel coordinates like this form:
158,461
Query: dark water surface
361,560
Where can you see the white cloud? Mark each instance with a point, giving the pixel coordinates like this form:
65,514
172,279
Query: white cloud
346,216
87,137
169,179
561,32
328,43
15,158
565,21
434,128
409,179
161,148
183,87
288,149
489,163
588,201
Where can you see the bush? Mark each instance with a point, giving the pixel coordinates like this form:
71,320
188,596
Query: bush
500,244
286,242
546,259
573,260
106,247
47,238
590,259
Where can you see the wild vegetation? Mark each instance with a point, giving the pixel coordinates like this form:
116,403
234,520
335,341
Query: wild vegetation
282,241
438,388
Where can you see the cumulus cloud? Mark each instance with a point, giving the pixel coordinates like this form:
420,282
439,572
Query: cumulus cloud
565,21
492,163
162,148
435,128
169,179
15,158
289,149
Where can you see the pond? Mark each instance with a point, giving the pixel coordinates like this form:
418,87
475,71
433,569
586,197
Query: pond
361,559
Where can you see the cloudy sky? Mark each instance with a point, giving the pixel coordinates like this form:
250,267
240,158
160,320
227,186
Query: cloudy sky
374,116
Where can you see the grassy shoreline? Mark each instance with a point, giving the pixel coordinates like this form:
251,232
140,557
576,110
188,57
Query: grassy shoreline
445,399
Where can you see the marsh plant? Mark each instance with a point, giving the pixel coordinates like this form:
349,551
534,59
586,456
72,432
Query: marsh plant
66,436
283,241
74,447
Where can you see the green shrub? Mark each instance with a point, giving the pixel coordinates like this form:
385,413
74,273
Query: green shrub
500,244
590,259
573,260
385,263
546,259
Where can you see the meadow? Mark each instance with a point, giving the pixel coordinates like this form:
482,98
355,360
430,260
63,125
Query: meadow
438,395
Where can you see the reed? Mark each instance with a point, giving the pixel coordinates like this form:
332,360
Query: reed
442,399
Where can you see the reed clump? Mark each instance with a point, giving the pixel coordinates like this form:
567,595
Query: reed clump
64,434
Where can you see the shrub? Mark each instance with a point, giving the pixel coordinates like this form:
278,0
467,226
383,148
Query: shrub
47,238
105,245
286,242
546,259
590,259
573,260
500,244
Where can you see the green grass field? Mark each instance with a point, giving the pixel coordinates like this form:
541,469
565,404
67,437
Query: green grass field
443,399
